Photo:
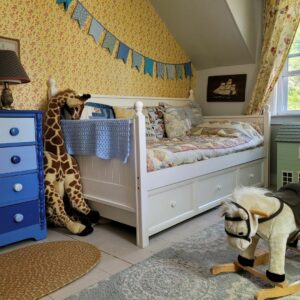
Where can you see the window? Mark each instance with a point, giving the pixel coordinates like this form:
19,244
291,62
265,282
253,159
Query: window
287,177
288,87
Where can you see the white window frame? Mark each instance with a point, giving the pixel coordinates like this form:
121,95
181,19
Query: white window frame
282,89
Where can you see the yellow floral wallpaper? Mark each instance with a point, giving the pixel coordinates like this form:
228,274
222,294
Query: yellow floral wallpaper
52,44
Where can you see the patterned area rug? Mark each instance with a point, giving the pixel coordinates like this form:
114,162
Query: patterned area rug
35,271
182,272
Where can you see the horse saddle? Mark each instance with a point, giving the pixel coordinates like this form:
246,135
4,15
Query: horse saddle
290,195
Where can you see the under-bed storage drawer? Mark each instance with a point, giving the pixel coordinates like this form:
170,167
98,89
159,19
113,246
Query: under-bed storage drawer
166,205
251,174
215,187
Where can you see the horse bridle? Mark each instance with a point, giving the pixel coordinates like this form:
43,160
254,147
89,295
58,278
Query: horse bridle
238,219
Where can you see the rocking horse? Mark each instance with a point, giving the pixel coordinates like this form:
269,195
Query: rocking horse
256,213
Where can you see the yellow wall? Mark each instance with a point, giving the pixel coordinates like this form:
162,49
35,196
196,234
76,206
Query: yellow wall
52,44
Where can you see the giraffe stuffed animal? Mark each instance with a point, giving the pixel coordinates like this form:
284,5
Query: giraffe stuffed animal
62,176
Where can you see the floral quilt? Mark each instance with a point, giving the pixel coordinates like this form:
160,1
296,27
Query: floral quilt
207,140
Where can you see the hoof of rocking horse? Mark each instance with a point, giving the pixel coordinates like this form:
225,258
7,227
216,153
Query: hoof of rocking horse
245,261
275,277
93,216
86,231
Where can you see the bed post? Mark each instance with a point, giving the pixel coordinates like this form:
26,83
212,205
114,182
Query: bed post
267,139
52,89
142,236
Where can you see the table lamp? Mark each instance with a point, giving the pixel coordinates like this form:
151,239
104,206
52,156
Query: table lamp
11,71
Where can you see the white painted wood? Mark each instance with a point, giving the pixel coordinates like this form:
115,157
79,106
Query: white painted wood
52,88
141,177
154,201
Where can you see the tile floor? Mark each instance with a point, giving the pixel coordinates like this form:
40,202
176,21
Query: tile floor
117,244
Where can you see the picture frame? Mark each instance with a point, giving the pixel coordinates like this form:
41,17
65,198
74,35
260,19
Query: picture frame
10,44
226,88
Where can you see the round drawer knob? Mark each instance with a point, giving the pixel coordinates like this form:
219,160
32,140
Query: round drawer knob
14,131
219,187
18,218
15,159
173,204
18,187
251,175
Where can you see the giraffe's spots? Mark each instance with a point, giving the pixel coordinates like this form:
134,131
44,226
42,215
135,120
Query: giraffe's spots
50,114
56,126
72,183
70,171
56,140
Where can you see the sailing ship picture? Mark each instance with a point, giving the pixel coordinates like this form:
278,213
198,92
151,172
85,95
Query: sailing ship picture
226,88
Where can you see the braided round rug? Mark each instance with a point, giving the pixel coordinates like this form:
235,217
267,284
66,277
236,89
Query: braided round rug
35,271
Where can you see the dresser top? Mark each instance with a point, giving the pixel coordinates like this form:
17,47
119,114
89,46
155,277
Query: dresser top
19,113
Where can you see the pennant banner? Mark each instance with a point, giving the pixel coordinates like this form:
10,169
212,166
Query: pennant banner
173,71
188,69
80,14
96,30
65,2
148,68
123,52
136,60
160,70
109,42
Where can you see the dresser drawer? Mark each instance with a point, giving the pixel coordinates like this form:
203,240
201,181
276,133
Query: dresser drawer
215,187
251,174
17,130
18,188
14,217
166,205
17,159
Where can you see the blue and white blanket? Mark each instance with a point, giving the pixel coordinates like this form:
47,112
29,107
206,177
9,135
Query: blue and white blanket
105,138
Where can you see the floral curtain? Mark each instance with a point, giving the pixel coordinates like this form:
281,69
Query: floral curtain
281,22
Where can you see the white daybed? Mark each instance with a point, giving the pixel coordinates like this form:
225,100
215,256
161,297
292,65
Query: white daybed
154,201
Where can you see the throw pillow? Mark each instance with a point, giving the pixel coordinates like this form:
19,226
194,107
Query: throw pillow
124,112
174,124
180,113
156,117
99,111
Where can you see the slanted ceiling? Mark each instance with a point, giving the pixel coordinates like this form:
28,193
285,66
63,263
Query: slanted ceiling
214,33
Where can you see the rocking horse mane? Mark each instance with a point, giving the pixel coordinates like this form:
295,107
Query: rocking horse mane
252,197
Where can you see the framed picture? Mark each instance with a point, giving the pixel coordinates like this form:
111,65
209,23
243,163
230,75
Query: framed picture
10,44
226,88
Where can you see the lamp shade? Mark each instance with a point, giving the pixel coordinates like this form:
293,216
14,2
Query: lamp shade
11,69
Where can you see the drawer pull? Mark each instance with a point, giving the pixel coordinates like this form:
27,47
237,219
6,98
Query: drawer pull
14,131
173,204
18,218
251,176
219,187
15,159
18,187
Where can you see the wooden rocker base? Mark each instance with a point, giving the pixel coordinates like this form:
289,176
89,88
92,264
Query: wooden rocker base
280,289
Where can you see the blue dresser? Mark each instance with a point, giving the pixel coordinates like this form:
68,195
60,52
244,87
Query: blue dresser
22,200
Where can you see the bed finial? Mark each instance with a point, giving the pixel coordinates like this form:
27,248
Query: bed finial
52,89
191,95
139,107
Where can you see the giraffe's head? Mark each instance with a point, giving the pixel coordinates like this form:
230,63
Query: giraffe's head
70,103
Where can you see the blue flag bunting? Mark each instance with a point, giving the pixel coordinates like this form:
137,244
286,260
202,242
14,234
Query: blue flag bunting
188,69
136,60
160,70
178,69
80,14
65,2
96,29
109,42
170,71
123,52
148,68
